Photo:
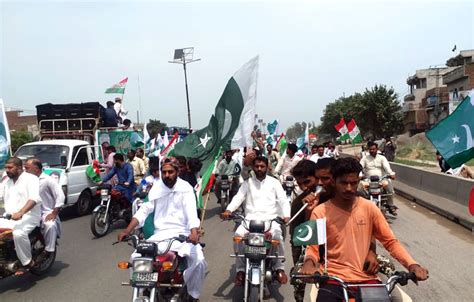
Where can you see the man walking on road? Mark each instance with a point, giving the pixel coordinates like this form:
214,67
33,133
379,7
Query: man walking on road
52,199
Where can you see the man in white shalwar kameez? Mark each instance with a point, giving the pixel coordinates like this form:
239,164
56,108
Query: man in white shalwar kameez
52,199
22,201
172,199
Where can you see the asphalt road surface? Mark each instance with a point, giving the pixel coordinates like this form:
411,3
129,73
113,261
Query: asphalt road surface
86,268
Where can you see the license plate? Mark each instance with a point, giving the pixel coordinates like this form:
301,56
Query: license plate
255,250
145,277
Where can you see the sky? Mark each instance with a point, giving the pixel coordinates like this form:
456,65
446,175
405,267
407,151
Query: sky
311,52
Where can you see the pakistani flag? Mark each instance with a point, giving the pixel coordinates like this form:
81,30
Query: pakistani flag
342,129
272,127
232,122
4,136
452,137
354,132
118,88
311,232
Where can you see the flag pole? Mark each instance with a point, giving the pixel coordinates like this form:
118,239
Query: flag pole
203,212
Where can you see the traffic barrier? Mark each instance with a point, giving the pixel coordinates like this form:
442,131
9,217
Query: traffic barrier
445,194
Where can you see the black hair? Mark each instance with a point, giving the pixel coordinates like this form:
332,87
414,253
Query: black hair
325,163
119,156
111,148
181,159
437,153
315,146
345,165
132,151
15,161
110,104
304,168
292,147
260,158
154,163
36,162
370,144
194,165
127,122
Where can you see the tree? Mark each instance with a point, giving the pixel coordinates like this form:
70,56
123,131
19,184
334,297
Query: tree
297,130
20,138
377,112
154,127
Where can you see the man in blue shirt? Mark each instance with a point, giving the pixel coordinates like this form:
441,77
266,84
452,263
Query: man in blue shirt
124,172
110,116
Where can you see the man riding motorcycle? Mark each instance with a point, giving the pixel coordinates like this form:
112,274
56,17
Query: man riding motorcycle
22,200
351,224
124,172
173,203
264,200
228,167
375,164
287,162
52,199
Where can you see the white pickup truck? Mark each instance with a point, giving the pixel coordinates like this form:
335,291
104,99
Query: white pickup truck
66,160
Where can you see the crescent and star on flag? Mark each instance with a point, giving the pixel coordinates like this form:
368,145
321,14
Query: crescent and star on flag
308,236
467,128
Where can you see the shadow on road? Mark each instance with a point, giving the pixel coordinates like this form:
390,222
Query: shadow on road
26,282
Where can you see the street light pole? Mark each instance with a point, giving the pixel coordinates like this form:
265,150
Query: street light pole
184,56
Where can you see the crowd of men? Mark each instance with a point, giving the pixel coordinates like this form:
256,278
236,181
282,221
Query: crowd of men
352,221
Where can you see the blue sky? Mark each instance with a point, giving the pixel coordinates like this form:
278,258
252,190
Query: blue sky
311,52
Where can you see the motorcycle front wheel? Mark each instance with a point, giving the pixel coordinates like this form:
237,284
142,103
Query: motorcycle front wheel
254,293
224,203
98,227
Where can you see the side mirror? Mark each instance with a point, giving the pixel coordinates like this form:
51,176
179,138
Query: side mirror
63,160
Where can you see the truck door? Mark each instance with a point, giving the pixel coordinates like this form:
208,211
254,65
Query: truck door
77,178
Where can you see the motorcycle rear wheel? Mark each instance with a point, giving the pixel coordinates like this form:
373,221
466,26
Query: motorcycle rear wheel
45,265
99,228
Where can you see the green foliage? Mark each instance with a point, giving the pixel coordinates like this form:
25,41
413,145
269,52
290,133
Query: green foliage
413,163
155,126
377,112
20,138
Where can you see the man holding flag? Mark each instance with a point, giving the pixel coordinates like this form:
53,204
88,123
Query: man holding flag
351,223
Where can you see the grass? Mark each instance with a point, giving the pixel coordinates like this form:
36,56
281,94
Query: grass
413,163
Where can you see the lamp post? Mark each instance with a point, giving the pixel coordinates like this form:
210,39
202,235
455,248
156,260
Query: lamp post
184,56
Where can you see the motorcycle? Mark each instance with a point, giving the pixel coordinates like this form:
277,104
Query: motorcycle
9,263
156,275
289,187
113,206
374,188
225,184
364,292
259,252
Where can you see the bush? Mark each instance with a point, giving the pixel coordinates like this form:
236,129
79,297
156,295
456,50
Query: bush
20,138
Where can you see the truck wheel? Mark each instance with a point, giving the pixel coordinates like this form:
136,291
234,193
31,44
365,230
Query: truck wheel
83,203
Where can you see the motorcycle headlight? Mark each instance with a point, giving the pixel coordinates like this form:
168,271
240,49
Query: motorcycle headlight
143,266
289,184
256,239
104,192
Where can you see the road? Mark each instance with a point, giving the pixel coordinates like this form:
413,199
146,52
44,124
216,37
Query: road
86,268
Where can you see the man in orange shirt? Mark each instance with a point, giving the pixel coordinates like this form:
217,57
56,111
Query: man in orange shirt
352,222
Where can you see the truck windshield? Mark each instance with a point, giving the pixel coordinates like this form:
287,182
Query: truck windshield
49,155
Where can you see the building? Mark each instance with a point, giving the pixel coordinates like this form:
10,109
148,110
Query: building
460,80
19,122
425,84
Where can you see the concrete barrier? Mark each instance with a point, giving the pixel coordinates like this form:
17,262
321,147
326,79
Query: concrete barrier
445,194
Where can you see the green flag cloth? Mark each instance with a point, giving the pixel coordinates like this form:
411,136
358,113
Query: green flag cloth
271,127
452,137
232,122
118,88
92,175
282,145
341,127
311,232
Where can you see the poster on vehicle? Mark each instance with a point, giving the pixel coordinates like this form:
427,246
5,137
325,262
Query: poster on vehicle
123,141
4,136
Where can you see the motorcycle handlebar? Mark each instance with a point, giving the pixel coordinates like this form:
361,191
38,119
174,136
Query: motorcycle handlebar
7,216
180,238
239,217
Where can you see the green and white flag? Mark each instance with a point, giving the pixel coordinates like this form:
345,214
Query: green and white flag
5,141
311,232
232,122
118,88
452,137
354,132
